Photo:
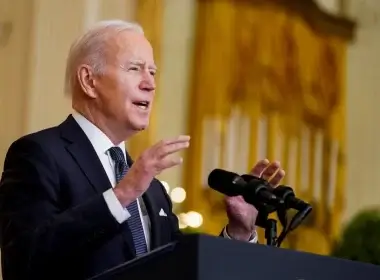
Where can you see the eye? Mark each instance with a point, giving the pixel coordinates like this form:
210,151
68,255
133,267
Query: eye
153,73
134,68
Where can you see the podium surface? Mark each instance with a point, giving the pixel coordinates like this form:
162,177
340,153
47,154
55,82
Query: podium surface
203,257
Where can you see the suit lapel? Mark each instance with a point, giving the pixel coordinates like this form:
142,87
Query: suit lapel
81,149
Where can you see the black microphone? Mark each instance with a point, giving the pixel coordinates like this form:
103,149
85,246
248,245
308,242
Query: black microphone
249,177
284,192
290,199
265,209
262,206
254,192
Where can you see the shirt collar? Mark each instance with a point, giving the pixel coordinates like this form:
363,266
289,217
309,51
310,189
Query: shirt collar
98,139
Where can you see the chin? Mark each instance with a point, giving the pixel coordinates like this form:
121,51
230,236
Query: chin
138,124
140,127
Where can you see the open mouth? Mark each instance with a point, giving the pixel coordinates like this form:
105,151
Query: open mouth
142,104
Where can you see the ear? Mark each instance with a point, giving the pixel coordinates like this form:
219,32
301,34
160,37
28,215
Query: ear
86,77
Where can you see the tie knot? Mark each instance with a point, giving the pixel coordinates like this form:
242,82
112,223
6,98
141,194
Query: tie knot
117,154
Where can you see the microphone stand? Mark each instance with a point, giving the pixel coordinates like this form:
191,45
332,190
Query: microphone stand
271,232
270,225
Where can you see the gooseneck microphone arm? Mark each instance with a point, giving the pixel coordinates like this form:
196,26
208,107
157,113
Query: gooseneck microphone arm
291,202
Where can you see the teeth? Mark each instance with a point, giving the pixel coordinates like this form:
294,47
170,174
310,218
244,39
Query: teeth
142,105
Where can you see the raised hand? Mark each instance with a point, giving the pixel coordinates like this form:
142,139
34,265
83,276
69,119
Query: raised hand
241,215
152,162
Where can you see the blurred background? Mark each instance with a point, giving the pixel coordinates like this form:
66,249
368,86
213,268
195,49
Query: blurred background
289,80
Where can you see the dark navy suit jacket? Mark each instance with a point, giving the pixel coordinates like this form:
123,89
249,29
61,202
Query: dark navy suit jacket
54,222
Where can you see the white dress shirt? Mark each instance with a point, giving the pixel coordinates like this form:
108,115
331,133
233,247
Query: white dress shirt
102,144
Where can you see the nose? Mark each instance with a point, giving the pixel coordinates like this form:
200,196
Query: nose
148,82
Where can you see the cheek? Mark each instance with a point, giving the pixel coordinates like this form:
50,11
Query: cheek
128,90
109,89
124,96
121,91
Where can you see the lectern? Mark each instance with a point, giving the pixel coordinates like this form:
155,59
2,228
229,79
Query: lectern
203,257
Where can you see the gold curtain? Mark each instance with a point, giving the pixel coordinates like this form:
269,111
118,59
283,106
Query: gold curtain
269,83
210,95
150,15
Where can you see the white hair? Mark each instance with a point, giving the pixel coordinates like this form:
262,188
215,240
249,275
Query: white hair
90,48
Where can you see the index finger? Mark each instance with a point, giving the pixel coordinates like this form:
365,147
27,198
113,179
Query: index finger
259,167
178,139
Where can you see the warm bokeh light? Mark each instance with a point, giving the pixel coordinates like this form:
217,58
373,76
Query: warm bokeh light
178,195
194,219
182,220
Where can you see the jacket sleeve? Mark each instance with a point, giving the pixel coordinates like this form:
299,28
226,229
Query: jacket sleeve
35,230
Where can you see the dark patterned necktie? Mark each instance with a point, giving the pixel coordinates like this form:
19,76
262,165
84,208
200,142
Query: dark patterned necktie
134,221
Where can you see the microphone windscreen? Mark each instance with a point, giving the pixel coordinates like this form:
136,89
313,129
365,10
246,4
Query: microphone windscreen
226,182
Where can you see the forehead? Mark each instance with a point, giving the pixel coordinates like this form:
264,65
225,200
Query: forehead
130,45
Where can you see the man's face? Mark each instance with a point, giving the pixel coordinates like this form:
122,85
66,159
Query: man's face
126,87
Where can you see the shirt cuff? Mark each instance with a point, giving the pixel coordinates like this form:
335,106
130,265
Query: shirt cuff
120,213
253,238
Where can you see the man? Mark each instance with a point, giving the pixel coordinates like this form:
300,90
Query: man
72,202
